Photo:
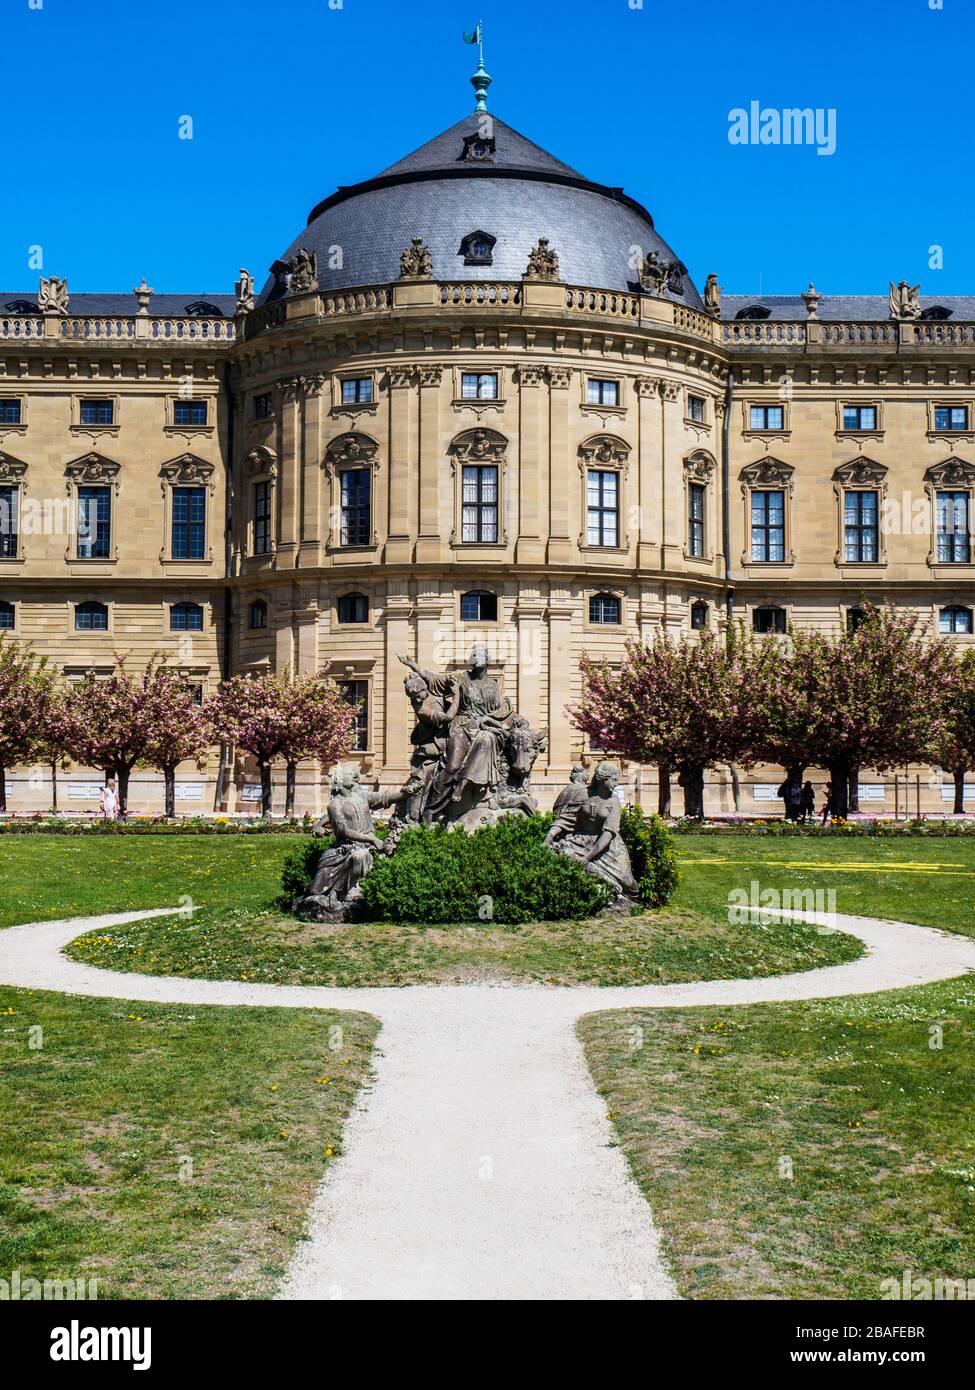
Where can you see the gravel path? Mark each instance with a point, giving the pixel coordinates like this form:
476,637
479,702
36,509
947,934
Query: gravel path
480,1164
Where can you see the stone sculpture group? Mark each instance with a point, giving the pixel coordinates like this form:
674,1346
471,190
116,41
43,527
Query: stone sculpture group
471,765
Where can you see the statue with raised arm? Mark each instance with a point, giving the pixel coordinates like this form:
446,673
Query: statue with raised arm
334,894
464,787
589,831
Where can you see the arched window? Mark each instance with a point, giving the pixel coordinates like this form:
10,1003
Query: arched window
768,618
955,619
257,615
6,614
353,608
478,606
604,608
186,617
91,617
699,616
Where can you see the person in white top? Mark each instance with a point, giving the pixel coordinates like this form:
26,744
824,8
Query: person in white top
109,800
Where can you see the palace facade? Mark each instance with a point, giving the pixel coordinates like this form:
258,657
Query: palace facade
477,397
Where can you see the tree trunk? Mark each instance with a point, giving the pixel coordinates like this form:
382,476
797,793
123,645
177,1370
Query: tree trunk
663,791
221,777
3,790
266,790
853,790
169,777
692,780
735,786
289,795
959,776
54,787
839,776
122,775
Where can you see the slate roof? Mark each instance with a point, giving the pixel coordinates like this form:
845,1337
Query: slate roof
518,194
123,305
860,308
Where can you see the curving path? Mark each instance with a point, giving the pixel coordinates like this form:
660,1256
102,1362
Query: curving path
480,1164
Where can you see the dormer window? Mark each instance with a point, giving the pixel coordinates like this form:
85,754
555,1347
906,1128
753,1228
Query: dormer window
21,306
477,248
478,148
754,311
937,313
203,309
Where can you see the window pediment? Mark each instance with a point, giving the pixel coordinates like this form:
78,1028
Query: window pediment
699,466
860,472
261,460
479,446
187,469
351,450
767,472
11,470
92,468
951,473
604,451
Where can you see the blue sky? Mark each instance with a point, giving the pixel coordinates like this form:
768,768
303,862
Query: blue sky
290,99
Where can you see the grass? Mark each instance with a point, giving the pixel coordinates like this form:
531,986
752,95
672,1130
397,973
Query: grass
166,1151
659,948
800,1150
50,876
928,881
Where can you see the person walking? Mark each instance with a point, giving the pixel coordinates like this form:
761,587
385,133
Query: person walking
807,802
108,800
828,803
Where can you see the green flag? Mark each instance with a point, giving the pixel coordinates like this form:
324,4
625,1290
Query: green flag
474,36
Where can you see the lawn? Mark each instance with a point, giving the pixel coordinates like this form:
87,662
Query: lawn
930,881
659,948
167,1151
800,1150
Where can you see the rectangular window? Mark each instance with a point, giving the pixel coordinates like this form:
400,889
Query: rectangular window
600,392
860,532
9,412
768,526
94,522
859,417
98,412
951,417
481,386
357,391
262,518
479,504
356,492
189,412
765,417
189,523
954,541
9,522
602,507
263,405
695,409
357,694
695,519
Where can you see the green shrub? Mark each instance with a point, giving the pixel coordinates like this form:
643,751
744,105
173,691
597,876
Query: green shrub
299,865
652,856
501,873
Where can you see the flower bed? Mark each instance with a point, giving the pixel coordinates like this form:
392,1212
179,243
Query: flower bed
153,825
866,828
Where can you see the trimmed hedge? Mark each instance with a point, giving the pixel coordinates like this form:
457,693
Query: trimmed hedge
652,856
153,825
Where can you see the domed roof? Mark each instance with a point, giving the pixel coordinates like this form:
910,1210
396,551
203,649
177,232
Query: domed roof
481,187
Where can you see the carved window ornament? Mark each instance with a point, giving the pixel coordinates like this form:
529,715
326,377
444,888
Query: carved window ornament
951,475
479,448
350,453
188,471
12,471
261,461
768,475
859,475
478,149
91,470
477,248
602,453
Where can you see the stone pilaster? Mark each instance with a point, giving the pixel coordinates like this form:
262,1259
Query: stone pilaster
559,473
399,715
399,543
559,678
311,473
649,471
289,448
429,545
530,549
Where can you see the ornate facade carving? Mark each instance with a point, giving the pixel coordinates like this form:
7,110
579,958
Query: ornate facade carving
431,375
188,470
768,472
11,470
543,263
351,450
52,297
261,461
951,473
531,374
416,262
303,272
479,446
92,469
712,296
905,301
606,450
860,472
559,378
699,466
244,290
658,274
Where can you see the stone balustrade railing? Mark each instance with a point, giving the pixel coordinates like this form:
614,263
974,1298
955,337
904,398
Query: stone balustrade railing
115,328
17,326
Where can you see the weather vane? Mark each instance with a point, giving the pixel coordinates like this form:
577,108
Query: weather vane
482,78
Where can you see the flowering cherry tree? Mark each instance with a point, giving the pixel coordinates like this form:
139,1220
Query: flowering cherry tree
685,705
284,718
180,728
26,696
956,748
874,697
